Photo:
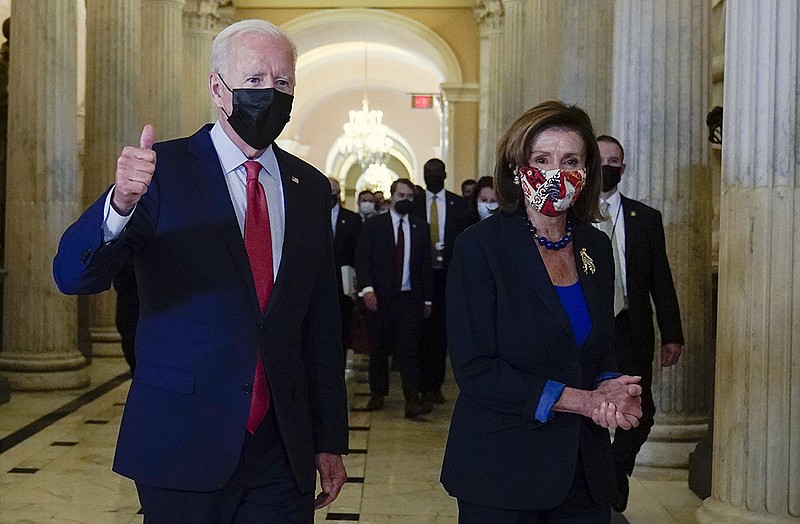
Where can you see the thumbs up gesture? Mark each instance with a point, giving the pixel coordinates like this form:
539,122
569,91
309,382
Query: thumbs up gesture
135,168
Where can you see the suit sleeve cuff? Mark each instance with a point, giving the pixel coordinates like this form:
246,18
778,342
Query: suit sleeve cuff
602,377
113,222
550,395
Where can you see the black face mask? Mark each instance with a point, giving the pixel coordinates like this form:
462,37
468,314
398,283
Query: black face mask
434,182
259,115
611,177
402,207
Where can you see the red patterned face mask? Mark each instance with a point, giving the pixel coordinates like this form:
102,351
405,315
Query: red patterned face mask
551,192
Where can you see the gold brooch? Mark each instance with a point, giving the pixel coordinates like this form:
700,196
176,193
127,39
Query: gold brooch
588,263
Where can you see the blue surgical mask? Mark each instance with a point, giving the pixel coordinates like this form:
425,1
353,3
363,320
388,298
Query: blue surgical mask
485,209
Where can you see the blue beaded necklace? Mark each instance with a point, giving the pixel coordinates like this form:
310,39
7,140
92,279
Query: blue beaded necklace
547,243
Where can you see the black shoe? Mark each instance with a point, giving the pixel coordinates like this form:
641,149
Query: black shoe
435,397
623,490
375,403
415,407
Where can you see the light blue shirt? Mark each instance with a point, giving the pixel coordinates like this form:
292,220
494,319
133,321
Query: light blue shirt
231,161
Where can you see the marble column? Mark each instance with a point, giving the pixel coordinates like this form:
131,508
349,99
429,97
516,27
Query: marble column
460,106
586,58
112,39
40,324
659,103
542,61
200,22
489,15
756,468
514,62
162,75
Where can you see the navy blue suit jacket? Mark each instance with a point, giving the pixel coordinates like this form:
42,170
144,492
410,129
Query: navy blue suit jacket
201,330
374,259
508,335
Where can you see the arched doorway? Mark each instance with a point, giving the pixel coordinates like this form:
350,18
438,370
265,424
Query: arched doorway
404,57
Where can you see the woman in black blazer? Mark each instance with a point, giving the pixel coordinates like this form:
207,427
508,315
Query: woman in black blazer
530,330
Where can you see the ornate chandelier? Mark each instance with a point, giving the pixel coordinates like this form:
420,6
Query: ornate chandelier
377,177
365,135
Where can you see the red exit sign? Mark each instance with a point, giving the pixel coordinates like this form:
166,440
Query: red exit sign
421,101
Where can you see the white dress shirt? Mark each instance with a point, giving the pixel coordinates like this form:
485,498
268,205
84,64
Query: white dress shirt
618,224
231,161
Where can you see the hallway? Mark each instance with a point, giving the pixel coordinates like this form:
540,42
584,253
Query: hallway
56,450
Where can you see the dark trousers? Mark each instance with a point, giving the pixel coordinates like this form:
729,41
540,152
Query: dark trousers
433,350
578,508
262,489
633,359
399,327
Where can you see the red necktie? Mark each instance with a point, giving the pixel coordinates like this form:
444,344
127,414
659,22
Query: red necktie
258,242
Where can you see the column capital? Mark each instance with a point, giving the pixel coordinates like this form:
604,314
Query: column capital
489,14
201,15
225,14
461,92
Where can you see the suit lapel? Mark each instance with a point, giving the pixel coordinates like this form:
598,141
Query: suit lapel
210,182
520,245
293,237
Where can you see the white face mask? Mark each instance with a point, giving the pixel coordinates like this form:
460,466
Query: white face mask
366,208
485,209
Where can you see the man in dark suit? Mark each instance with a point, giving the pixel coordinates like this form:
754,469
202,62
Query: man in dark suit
346,226
239,391
440,209
394,275
642,273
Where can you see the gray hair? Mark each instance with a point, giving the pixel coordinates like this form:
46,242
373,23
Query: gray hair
222,43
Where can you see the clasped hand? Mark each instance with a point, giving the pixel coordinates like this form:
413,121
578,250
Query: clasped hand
617,403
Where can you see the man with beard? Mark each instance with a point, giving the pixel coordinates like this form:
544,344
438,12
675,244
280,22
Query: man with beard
393,267
642,272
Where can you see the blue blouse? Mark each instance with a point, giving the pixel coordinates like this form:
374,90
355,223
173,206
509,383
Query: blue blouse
574,303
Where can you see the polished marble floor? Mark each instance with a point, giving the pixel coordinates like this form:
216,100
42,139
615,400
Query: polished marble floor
56,450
